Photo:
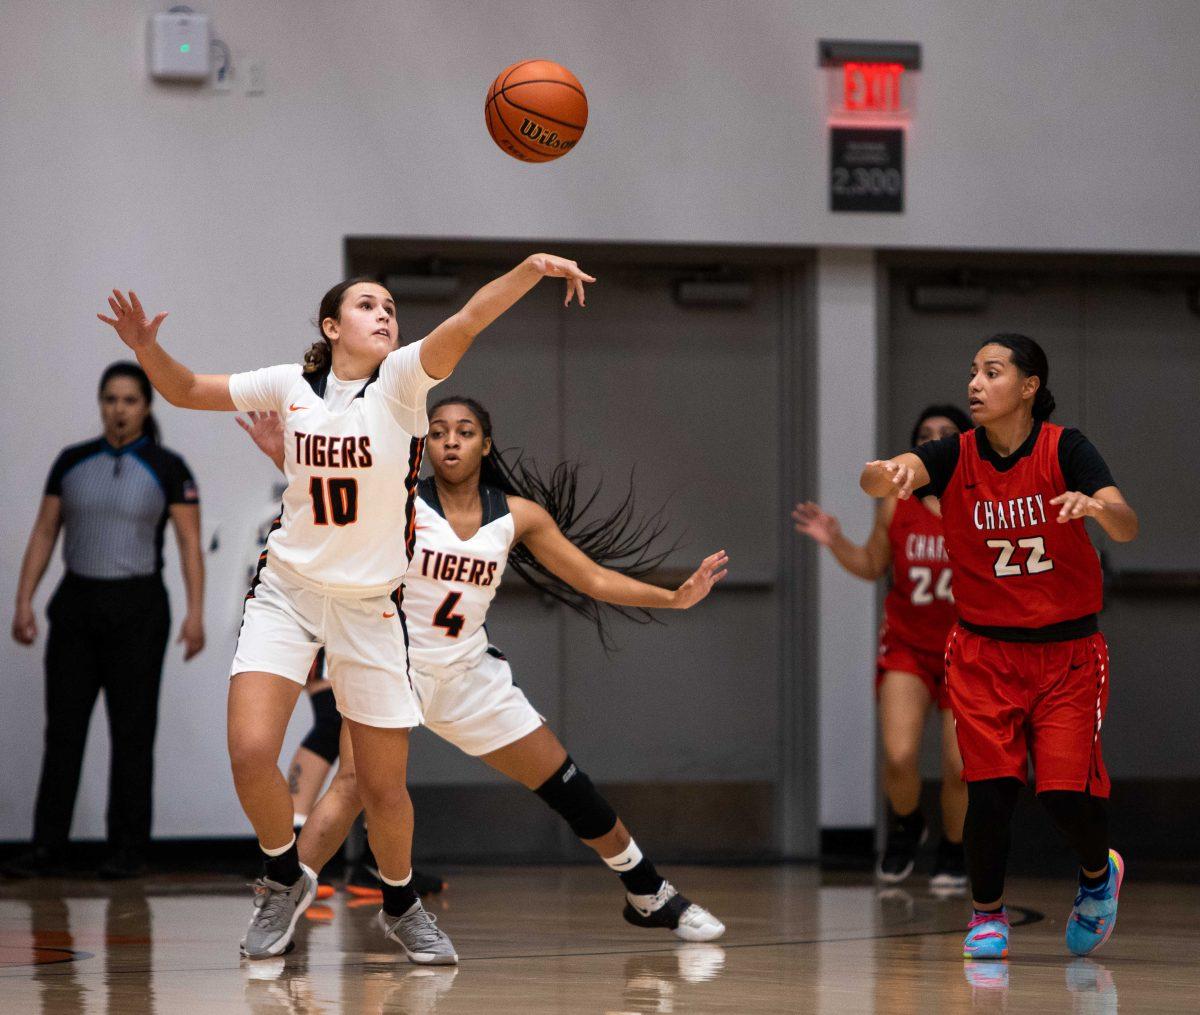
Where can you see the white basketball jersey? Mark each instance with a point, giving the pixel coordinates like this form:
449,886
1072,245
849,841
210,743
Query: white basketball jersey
346,527
451,582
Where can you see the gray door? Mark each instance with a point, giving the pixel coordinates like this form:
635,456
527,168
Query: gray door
680,723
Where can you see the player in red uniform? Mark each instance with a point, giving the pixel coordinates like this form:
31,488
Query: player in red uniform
918,614
1026,666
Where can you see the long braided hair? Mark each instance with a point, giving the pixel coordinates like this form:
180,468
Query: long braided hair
619,540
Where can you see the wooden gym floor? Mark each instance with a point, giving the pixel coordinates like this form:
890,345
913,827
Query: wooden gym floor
535,940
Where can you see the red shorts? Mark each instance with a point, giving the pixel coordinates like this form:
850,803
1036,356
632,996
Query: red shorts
929,667
1013,699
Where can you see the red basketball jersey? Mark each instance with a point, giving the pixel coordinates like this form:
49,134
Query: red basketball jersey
919,608
1014,564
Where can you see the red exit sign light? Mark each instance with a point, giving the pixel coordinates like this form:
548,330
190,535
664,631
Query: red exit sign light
872,87
869,82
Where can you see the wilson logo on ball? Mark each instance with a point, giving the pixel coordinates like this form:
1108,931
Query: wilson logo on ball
536,111
548,139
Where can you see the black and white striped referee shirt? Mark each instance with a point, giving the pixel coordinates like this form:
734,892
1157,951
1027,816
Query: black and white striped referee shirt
115,504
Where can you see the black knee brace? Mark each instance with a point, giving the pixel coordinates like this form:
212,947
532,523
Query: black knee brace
324,737
571,794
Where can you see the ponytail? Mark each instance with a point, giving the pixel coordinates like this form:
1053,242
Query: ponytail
619,540
1030,359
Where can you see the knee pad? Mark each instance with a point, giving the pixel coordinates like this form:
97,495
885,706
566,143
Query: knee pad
570,793
324,737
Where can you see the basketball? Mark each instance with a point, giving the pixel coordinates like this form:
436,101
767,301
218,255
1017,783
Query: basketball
536,110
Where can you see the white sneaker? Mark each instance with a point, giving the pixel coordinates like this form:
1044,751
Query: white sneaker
667,908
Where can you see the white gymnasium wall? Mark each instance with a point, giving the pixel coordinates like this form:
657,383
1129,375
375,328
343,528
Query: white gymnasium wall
1066,125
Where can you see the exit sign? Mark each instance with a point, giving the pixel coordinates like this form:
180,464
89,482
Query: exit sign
872,87
870,82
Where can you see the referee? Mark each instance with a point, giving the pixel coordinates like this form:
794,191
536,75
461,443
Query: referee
109,618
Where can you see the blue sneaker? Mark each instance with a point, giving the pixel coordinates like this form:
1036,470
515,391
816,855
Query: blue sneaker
1095,912
987,936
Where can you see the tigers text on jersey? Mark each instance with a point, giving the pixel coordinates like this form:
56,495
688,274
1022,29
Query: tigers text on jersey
352,453
451,582
919,608
1015,564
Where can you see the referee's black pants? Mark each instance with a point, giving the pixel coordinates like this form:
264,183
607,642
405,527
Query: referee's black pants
108,635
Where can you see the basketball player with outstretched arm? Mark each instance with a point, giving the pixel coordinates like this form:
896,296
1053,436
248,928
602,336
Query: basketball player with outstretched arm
910,668
476,515
1026,665
355,423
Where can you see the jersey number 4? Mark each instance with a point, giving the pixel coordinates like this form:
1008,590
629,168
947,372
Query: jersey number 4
1035,563
924,591
334,499
447,618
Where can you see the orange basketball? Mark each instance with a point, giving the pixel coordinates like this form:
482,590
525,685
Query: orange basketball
536,110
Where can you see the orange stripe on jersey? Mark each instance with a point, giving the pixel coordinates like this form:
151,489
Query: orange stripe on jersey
262,557
416,453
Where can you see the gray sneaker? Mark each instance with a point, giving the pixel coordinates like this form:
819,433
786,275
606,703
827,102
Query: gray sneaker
276,909
418,934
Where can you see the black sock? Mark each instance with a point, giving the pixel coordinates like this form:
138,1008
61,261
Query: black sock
642,879
1087,881
283,869
398,899
911,825
989,912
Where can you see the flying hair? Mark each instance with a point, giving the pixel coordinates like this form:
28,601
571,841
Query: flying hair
620,539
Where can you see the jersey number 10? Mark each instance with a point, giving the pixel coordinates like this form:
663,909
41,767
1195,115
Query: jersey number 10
334,499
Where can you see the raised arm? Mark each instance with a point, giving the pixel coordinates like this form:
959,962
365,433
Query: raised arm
869,561
900,476
171,379
537,530
445,345
33,566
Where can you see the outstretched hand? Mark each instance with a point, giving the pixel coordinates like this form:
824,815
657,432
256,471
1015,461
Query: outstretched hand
902,477
711,570
552,266
1075,505
129,320
266,430
811,521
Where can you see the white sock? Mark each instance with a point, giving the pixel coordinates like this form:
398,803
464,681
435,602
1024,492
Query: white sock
626,860
280,851
298,820
396,884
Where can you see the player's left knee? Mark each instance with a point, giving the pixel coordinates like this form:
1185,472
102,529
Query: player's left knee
570,793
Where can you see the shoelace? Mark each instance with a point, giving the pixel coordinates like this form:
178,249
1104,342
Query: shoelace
981,918
423,926
665,894
268,902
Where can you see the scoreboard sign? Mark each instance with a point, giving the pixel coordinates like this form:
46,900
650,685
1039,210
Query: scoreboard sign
870,90
866,169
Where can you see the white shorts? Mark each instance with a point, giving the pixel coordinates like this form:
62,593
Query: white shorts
474,705
366,658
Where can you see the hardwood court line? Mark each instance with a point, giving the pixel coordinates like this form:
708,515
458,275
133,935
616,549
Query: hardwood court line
1027,918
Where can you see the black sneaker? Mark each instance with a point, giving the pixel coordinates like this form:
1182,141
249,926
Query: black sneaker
124,863
905,836
38,862
949,868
